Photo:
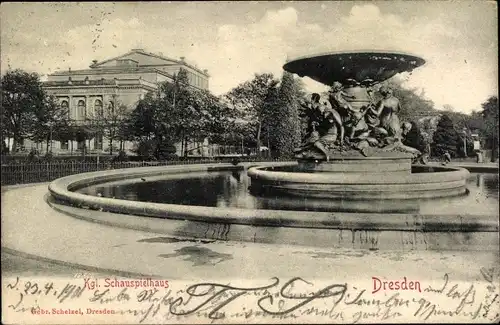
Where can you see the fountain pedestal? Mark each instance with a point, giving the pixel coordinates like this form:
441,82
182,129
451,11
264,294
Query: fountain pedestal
387,163
354,181
355,150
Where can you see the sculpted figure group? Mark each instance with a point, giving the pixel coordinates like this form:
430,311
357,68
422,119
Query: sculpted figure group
341,126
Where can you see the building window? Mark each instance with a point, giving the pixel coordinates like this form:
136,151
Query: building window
98,142
81,145
99,111
65,107
81,113
64,145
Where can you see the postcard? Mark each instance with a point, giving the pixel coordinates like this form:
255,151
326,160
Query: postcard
250,162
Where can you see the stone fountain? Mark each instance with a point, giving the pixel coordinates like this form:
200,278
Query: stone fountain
354,147
352,155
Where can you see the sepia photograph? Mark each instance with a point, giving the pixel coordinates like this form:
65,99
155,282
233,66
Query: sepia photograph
247,162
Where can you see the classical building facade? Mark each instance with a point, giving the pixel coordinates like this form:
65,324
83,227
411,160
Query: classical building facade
121,80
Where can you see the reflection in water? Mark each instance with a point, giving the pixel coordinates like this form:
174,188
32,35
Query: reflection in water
480,180
230,189
490,184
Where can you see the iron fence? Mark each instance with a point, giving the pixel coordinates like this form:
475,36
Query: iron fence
24,173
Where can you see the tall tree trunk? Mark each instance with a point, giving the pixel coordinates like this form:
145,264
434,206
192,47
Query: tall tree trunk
494,150
15,139
259,131
182,145
111,145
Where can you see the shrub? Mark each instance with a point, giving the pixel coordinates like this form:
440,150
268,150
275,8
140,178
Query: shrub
33,156
122,156
145,149
166,152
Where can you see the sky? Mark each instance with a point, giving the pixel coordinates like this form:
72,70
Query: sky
235,40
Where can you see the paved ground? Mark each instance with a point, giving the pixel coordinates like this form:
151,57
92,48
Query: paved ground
20,265
38,241
30,226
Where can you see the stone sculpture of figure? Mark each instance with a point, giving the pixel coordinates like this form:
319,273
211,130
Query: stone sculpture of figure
396,141
324,127
333,130
376,141
337,98
353,119
387,109
313,113
372,115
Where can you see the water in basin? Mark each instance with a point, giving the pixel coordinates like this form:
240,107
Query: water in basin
230,189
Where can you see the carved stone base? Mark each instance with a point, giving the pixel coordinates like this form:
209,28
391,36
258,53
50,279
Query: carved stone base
369,152
353,161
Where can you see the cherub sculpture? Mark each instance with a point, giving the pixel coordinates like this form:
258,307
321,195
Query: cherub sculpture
353,119
324,127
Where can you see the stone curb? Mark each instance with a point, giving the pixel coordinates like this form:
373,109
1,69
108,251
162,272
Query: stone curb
357,237
305,219
60,190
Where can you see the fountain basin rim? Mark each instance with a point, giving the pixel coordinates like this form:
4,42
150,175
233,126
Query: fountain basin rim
296,219
354,52
59,190
451,174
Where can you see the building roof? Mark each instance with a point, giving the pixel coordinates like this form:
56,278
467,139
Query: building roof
111,70
167,61
101,83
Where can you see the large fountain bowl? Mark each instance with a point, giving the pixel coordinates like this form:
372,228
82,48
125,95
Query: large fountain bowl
359,66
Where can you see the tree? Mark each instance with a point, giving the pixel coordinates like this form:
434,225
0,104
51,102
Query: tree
490,124
413,106
249,100
177,112
110,122
114,117
216,117
49,121
141,123
415,139
445,137
270,122
286,114
177,115
427,126
22,97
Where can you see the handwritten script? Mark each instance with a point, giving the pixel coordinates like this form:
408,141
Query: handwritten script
272,300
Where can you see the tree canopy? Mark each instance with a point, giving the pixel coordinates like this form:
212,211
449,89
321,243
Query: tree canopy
445,137
27,110
252,101
287,131
490,124
176,113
